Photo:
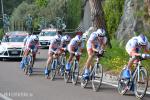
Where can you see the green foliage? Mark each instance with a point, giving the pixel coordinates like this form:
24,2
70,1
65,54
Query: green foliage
73,13
9,5
115,58
113,10
41,3
1,33
50,9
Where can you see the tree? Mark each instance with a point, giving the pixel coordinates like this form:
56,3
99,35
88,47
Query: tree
98,19
41,3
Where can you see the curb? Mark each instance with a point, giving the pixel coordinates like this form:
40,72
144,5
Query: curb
112,80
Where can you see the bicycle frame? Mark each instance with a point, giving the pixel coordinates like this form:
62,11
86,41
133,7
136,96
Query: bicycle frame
96,63
137,70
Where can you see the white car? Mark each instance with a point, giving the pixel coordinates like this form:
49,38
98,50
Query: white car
45,36
12,45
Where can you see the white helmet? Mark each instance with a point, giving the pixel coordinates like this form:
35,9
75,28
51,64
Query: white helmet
35,38
100,32
142,40
78,38
58,38
67,38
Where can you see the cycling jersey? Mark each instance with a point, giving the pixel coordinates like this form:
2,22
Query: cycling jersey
73,43
94,39
54,45
63,42
31,44
26,38
133,44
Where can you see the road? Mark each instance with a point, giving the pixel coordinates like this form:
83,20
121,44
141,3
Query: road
14,85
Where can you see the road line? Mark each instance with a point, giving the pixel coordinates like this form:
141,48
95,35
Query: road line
114,85
5,97
107,83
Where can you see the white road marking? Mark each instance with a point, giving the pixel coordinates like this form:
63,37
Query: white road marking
5,97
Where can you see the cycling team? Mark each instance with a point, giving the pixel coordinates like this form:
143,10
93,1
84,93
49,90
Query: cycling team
96,43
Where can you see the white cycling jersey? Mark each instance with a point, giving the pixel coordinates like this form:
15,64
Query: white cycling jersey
63,42
74,44
133,43
94,38
30,44
54,45
26,38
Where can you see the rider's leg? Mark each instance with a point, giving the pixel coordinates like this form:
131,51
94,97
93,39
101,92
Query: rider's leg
90,58
88,63
49,60
68,65
34,57
26,52
130,62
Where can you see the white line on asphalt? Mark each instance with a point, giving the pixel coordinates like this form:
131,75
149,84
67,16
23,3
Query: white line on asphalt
107,83
5,97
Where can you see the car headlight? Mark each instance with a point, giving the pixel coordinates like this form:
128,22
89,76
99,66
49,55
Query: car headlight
2,49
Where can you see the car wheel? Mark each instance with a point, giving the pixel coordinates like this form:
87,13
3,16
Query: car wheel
1,59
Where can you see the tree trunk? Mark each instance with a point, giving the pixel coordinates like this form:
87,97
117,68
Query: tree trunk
97,14
148,4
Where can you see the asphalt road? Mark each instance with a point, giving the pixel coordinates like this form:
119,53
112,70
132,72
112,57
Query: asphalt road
14,85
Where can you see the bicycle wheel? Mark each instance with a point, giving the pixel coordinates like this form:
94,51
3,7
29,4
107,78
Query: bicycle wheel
30,66
27,65
97,76
53,70
141,83
75,72
67,76
84,81
63,63
122,84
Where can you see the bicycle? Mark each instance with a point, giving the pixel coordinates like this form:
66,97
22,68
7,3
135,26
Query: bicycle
63,62
96,75
73,73
54,67
138,77
29,64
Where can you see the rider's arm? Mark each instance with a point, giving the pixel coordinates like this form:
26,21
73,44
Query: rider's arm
93,46
134,53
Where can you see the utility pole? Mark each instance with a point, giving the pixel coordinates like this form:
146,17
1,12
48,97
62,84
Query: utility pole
2,9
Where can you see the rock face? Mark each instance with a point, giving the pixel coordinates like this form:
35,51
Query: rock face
132,20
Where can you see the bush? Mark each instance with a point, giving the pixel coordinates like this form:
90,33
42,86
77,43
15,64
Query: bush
113,10
1,33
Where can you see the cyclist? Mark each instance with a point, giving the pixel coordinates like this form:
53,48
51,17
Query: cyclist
95,44
54,49
26,38
65,41
73,48
32,44
133,48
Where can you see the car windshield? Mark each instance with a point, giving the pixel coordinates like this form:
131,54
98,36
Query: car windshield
13,38
47,33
